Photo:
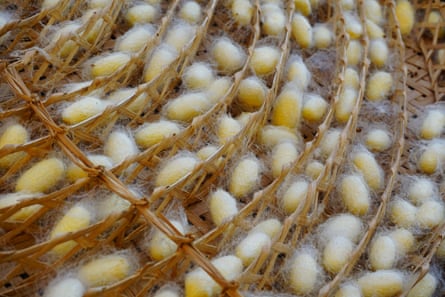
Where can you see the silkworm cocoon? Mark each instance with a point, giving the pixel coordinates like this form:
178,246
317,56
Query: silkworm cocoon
337,253
98,3
303,274
50,3
330,142
354,52
180,35
303,6
228,55
378,140
14,134
403,239
174,170
314,169
161,246
206,152
120,95
298,72
161,59
294,196
433,124
218,88
403,213
301,31
373,11
82,109
405,16
251,246
252,93
351,78
109,64
347,4
349,290
135,39
42,176
374,31
322,36
353,26
227,128
153,133
272,135
77,218
105,270
25,212
382,283
264,60
274,20
120,146
69,46
431,158
345,225
68,287
92,35
112,204
187,106
345,104
283,155
425,287
73,172
168,291
191,12
270,227
314,108
287,107
430,214
378,52
141,13
367,165
379,86
434,17
383,253
242,11
244,118
355,194
245,177
222,206
198,76
421,190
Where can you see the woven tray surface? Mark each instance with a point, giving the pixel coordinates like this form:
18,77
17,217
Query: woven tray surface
41,79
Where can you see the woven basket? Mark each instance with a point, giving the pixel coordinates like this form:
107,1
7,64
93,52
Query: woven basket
34,92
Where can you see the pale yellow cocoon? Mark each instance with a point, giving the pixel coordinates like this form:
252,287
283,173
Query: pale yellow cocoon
274,20
425,287
270,227
283,155
198,76
322,36
120,146
141,13
46,4
405,15
329,142
251,246
379,86
355,194
228,127
252,93
161,246
367,165
136,105
206,152
301,31
187,106
272,135
105,270
337,253
222,206
69,46
345,105
82,109
73,172
191,12
347,4
218,88
245,177
403,213
294,196
314,169
287,107
433,124
153,133
98,3
92,34
373,11
378,140
303,273
167,292
432,157
374,31
345,225
264,60
403,239
135,39
383,253
67,287
353,25
354,53
41,177
112,204
161,59
435,17
242,11
25,212
14,134
303,6
174,170
349,290
297,72
378,52
351,78
109,64
314,107
228,55
180,35
382,283
76,219
430,214
421,190
244,118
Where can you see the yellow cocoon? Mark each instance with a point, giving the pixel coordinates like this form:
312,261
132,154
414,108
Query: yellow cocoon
354,53
270,227
206,152
161,59
264,60
287,107
242,11
405,15
112,204
98,3
222,206
374,31
355,194
50,3
244,118
345,225
67,287
77,218
421,190
382,283
322,36
345,104
301,31
283,155
227,128
370,169
351,78
383,253
25,212
272,135
73,172
378,52
105,270
337,253
174,170
347,4
379,85
252,93
329,142
303,6
373,11
136,105
153,133
135,39
274,20
403,239
161,246
433,18
432,157
228,55
82,109
378,140
69,46
251,246
218,88
353,26
109,64
403,213
294,196
349,290
433,124
430,214
187,106
191,12
42,176
167,292
425,287
120,146
198,76
14,134
303,274
142,13
314,108
180,35
297,72
245,177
